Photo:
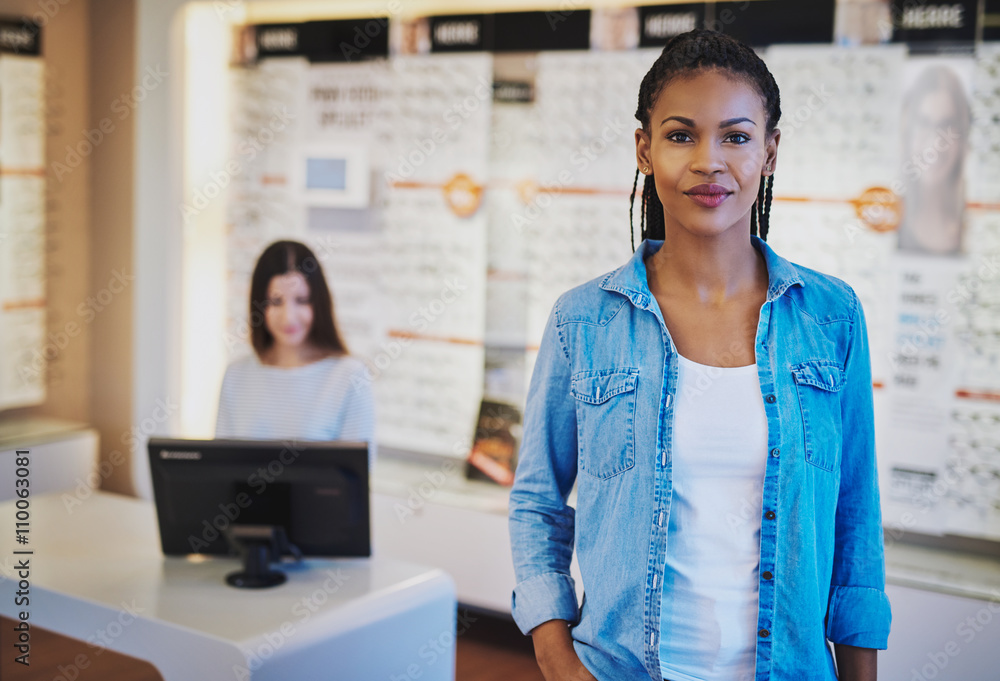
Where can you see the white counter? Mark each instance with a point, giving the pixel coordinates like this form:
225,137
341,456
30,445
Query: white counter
97,574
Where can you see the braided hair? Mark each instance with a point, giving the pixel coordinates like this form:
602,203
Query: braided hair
683,55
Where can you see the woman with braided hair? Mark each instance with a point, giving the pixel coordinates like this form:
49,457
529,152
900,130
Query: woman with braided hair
712,402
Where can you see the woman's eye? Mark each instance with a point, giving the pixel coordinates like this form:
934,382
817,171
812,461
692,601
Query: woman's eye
302,301
739,138
679,136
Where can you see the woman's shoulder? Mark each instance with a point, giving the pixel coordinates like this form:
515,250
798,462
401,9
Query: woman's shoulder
241,366
591,301
824,296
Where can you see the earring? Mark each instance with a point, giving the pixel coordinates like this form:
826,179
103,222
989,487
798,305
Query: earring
768,169
645,170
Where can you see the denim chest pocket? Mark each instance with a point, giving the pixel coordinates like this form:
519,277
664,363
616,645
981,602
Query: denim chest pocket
819,384
605,414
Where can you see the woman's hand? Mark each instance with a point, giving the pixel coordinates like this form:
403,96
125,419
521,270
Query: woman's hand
555,654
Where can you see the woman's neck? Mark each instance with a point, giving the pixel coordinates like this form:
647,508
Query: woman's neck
290,356
707,270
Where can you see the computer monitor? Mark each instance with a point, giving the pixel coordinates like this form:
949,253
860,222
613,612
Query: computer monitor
315,494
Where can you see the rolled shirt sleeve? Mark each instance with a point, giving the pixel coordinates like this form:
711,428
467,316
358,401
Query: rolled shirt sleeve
541,522
858,611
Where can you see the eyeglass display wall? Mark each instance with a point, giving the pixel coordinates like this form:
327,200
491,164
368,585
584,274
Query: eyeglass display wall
456,183
22,216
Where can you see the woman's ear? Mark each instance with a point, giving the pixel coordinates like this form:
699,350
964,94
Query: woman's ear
771,152
642,155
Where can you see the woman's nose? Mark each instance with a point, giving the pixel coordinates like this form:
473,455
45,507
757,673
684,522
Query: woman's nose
707,158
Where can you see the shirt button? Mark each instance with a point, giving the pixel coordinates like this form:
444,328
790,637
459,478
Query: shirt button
770,399
775,451
764,633
769,515
765,575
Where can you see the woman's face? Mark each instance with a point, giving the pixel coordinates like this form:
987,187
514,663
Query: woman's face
707,147
289,312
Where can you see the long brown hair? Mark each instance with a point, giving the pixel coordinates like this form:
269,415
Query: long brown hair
283,257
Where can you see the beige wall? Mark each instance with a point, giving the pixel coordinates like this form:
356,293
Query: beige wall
88,47
112,77
65,50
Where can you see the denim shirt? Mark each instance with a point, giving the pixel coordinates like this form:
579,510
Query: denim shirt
600,413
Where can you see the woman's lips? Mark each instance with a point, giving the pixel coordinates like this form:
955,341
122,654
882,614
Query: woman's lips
708,195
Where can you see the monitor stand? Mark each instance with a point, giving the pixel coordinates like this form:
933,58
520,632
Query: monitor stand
259,545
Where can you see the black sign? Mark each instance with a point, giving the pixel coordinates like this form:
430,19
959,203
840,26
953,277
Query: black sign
462,33
279,40
513,92
991,20
934,22
768,22
326,41
20,36
347,39
658,24
537,31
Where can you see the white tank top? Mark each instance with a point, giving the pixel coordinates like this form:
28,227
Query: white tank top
708,612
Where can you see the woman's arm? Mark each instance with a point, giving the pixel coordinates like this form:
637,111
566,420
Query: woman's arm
858,612
555,654
855,664
541,522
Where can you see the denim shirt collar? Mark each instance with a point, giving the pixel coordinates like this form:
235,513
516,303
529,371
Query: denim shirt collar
630,279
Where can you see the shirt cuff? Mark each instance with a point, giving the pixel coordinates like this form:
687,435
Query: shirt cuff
858,616
549,596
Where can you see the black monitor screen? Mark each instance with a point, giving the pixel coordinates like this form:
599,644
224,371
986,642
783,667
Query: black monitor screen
316,491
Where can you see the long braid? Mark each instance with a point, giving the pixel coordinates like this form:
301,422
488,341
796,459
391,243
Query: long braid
766,213
757,211
655,227
690,52
631,203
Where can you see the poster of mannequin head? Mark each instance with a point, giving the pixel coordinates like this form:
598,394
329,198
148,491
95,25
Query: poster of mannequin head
935,123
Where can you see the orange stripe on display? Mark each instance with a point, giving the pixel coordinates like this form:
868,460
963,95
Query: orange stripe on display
27,304
24,172
878,384
974,395
273,179
410,184
396,333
